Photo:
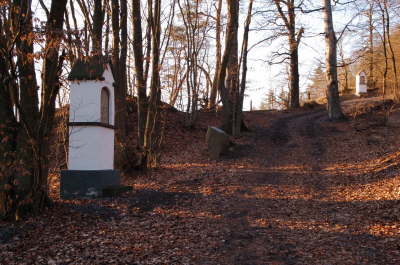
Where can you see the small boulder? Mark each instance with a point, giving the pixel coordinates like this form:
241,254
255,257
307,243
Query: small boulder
217,142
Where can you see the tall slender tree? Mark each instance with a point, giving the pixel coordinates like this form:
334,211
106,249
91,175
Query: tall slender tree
243,65
98,20
228,88
119,76
139,60
218,51
334,108
152,129
287,12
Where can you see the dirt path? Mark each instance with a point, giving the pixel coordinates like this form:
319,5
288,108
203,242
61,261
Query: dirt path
289,210
298,214
298,189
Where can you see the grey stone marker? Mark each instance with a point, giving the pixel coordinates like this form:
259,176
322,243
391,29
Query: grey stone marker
217,142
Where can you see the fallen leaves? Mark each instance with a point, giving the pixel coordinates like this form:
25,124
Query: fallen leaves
322,196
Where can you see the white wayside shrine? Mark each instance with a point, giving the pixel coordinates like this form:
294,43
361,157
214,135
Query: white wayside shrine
361,83
91,130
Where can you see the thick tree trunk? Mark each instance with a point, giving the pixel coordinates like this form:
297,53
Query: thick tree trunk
334,108
28,100
152,129
52,68
22,22
120,92
8,134
36,123
229,68
294,77
140,81
98,20
232,77
294,42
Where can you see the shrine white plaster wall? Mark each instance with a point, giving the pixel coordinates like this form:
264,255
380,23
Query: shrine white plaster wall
91,148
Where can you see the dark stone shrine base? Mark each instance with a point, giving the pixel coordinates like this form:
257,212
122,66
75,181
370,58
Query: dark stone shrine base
80,184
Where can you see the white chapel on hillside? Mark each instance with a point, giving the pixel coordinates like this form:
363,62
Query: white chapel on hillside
361,83
91,119
91,129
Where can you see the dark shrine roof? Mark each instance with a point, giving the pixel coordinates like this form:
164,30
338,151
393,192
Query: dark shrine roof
89,68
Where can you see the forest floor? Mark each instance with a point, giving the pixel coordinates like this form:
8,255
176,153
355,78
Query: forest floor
297,189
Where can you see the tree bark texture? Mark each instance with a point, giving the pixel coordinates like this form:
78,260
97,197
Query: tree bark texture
218,30
36,121
120,92
140,81
229,70
294,39
334,108
243,58
98,20
152,129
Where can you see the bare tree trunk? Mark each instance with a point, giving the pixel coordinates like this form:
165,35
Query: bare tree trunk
294,41
243,60
148,40
232,77
52,68
294,78
107,31
28,98
140,81
371,79
98,20
71,54
151,139
194,40
384,44
218,30
120,93
88,27
334,108
229,69
389,41
77,37
178,88
22,17
124,44
36,123
8,133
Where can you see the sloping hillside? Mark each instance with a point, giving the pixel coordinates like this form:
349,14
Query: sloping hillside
297,189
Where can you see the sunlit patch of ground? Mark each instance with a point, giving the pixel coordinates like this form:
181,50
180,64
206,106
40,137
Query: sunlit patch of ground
326,193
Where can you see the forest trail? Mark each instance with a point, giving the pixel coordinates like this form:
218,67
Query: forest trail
297,189
318,193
